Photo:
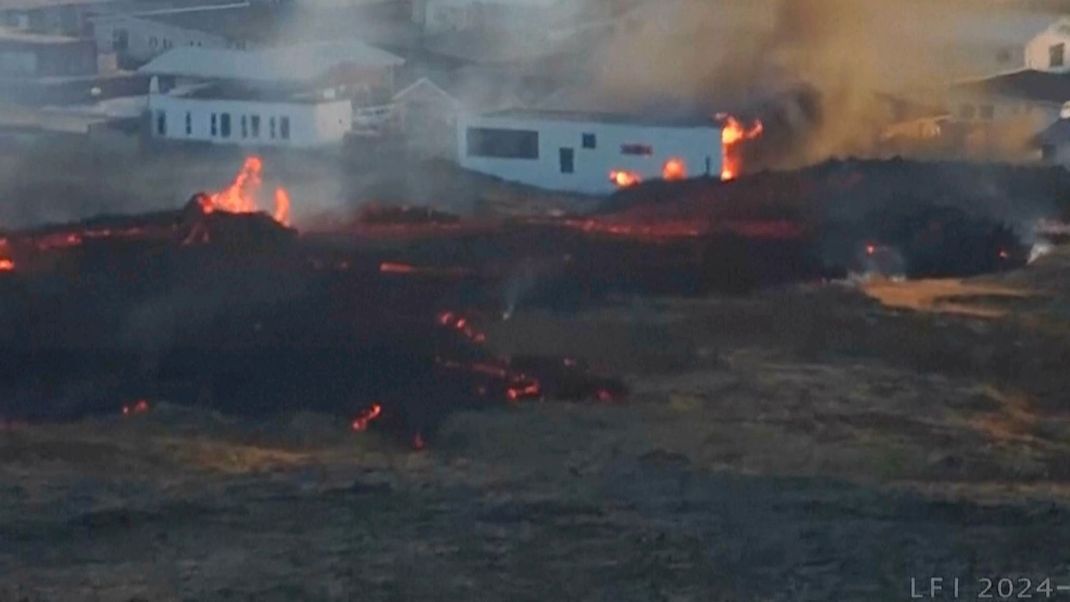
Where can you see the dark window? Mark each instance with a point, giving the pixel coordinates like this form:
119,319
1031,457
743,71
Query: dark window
255,122
502,143
244,126
567,158
166,44
1057,55
988,112
215,121
153,42
1003,56
284,128
590,141
271,127
224,125
161,123
120,40
636,149
189,123
967,111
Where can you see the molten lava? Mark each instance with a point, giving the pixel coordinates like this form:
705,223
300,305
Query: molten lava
6,265
242,194
361,422
674,169
624,179
733,135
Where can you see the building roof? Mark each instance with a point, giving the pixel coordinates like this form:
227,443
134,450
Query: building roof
608,118
1039,86
294,64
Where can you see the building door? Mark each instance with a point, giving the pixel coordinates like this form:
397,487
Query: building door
567,158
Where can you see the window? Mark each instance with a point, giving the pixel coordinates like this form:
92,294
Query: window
988,112
271,127
590,141
636,149
1004,56
1057,55
154,42
502,143
161,123
120,40
224,125
284,128
255,123
215,122
167,44
244,127
189,123
567,159
967,111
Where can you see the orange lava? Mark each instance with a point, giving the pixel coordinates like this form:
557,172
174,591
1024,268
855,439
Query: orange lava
733,135
674,169
624,179
361,422
6,265
241,196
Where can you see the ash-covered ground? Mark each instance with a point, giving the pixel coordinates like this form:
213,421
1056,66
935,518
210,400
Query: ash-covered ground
806,443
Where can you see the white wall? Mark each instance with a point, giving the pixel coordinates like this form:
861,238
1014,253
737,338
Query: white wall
694,145
311,124
147,39
1038,51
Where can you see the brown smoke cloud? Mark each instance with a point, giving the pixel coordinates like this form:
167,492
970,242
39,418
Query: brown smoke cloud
817,65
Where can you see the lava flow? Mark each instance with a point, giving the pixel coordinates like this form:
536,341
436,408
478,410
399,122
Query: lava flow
624,179
241,195
733,135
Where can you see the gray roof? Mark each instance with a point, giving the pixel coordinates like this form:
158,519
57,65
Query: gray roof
611,118
301,63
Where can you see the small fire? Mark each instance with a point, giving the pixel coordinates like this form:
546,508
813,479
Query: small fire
361,422
6,265
241,195
674,170
140,406
624,179
733,135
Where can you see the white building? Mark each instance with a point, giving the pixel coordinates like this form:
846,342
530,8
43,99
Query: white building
249,118
589,153
437,16
298,96
140,37
1048,50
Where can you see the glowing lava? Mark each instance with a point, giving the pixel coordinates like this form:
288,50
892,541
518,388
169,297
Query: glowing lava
674,169
624,179
733,135
6,265
241,196
361,422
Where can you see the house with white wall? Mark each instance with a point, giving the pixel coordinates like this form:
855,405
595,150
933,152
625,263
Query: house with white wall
1050,49
589,153
298,97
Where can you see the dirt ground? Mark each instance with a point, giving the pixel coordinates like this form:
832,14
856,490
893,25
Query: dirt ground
800,444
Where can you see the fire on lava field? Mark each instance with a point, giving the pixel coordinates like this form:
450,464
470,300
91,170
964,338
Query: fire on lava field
221,305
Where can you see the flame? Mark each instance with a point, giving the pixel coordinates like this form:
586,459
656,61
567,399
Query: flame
241,195
733,135
624,179
282,206
675,169
6,265
140,406
361,422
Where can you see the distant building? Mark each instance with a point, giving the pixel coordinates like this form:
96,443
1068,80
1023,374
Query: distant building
29,55
137,38
298,96
436,16
1048,50
588,153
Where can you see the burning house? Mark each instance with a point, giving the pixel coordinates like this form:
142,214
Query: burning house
590,153
262,98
